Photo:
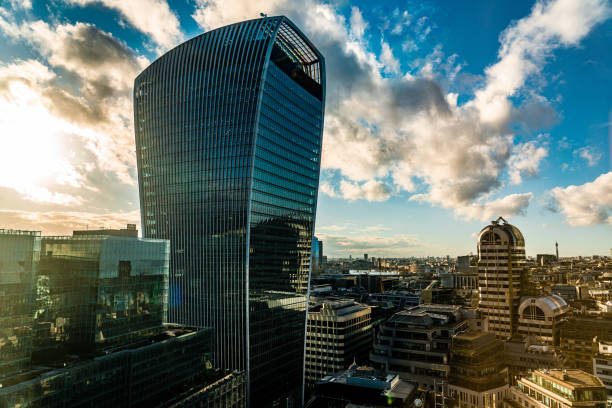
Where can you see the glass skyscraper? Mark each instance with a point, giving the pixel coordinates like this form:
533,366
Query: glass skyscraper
228,139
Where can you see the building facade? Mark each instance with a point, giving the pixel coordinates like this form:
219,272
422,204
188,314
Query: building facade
95,291
558,389
523,355
501,275
478,377
339,333
228,139
542,317
143,375
415,343
578,339
602,365
19,255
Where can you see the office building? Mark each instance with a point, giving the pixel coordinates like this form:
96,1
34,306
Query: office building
501,275
602,365
542,317
94,291
558,389
545,259
140,374
226,392
478,377
362,387
228,140
578,339
567,292
415,343
523,355
339,332
19,254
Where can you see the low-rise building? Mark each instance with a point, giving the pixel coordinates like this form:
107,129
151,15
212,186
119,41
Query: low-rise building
523,355
558,389
339,332
415,343
134,375
578,337
226,392
362,386
478,377
602,365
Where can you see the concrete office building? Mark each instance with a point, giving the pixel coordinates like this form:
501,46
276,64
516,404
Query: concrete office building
415,343
228,140
558,389
339,332
501,275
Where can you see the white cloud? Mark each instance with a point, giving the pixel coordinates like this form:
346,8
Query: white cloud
506,207
395,245
525,161
23,4
358,24
388,60
97,104
405,130
371,190
590,155
528,43
152,17
586,204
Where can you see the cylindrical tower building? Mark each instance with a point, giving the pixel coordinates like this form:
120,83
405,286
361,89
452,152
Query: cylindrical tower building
501,272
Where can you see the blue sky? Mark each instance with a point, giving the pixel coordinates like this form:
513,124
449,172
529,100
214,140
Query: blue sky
440,116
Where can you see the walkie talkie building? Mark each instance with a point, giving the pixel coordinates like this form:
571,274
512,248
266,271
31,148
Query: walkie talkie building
228,139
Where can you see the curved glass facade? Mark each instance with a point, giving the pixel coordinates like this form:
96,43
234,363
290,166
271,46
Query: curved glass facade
228,139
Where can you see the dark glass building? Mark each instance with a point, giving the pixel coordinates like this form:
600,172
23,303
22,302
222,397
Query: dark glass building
19,254
98,291
228,139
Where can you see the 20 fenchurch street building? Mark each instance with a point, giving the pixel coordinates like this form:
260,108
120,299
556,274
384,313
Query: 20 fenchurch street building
228,139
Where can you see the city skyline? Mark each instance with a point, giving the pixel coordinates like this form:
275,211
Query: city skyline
524,101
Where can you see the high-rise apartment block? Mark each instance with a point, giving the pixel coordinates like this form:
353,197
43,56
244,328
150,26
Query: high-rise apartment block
339,333
228,140
501,275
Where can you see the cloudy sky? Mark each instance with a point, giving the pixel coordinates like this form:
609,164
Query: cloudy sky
440,116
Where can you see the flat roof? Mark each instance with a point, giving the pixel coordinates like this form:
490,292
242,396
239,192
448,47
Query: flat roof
572,378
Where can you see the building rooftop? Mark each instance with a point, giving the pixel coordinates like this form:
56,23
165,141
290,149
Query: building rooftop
19,232
571,378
